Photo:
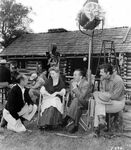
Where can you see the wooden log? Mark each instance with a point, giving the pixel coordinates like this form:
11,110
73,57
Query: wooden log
128,74
127,83
127,59
128,86
127,71
127,77
128,54
128,62
128,89
127,122
128,67
126,116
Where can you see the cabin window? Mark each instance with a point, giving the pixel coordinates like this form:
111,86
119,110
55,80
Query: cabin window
22,64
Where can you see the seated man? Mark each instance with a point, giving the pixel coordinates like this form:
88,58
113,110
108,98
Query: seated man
5,74
19,106
111,98
80,94
36,83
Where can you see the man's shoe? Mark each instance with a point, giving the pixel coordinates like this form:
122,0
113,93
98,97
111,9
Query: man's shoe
102,123
65,121
74,129
3,122
22,120
96,132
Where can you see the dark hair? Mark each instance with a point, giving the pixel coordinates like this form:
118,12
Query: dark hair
80,71
19,78
43,70
54,48
107,68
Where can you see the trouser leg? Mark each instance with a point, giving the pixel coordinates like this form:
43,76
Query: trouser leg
12,122
78,115
29,116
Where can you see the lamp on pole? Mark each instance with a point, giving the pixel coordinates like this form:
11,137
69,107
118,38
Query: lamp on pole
88,18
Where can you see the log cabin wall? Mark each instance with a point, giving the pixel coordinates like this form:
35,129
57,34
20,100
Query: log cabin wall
127,74
72,45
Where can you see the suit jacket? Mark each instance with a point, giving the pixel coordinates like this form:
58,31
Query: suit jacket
5,75
15,101
82,92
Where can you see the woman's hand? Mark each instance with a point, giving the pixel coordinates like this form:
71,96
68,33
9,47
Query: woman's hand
62,92
44,92
54,94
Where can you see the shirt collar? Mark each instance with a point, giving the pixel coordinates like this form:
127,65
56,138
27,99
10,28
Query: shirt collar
22,88
112,77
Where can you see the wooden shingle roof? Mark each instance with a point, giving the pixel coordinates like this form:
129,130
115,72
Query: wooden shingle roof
71,42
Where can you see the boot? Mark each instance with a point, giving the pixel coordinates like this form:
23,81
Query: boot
65,121
74,129
102,122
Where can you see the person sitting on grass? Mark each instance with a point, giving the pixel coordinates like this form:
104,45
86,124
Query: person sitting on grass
19,106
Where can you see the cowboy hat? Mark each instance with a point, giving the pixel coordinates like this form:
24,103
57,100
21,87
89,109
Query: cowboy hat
104,96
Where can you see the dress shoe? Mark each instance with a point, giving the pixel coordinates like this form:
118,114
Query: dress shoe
3,122
65,121
102,123
96,132
22,120
74,129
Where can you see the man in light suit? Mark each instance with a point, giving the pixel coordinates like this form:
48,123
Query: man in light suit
19,105
80,94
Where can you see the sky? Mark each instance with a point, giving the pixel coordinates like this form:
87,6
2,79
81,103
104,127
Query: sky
51,14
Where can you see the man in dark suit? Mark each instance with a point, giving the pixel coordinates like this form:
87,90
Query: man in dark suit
80,94
19,105
5,74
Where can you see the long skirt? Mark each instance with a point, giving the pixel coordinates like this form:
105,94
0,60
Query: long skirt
51,116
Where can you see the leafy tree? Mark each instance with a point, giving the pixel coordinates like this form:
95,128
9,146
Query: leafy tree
14,21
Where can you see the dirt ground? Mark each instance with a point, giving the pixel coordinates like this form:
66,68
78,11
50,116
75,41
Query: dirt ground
43,140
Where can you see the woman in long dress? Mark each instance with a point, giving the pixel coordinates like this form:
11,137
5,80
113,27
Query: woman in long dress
51,108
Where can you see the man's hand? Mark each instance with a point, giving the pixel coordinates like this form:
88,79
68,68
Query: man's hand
74,85
23,110
30,108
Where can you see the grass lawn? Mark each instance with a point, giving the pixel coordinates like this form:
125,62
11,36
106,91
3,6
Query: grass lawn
43,140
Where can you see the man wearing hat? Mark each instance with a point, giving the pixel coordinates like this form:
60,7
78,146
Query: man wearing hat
36,83
111,98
